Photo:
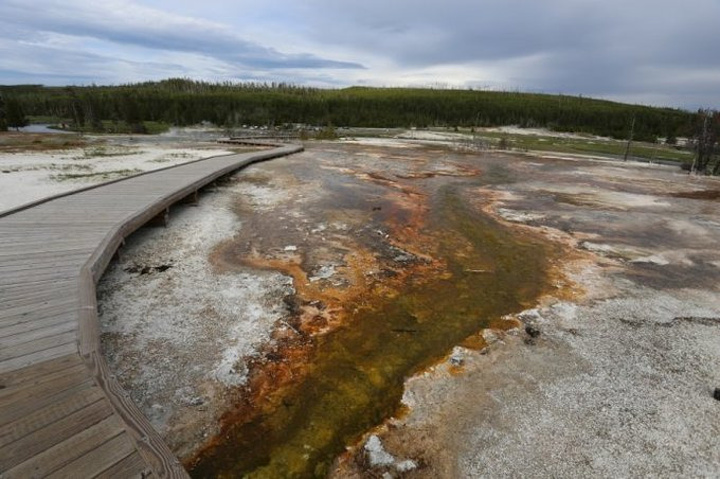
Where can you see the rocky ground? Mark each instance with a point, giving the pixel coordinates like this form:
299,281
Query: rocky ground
610,374
617,382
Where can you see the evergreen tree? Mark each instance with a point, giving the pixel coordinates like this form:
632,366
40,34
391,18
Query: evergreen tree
3,122
186,102
14,114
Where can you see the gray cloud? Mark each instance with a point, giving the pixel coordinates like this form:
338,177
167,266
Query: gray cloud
662,52
124,23
587,46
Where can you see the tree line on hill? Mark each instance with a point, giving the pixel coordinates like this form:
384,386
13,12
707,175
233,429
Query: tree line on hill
184,102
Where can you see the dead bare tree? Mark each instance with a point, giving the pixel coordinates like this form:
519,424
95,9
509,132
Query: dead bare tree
705,143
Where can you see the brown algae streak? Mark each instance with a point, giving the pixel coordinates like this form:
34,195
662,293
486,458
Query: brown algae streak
356,372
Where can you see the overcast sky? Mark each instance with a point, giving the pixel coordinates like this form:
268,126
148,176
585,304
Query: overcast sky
661,52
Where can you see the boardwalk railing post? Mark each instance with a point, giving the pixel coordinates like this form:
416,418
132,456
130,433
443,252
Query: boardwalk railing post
161,219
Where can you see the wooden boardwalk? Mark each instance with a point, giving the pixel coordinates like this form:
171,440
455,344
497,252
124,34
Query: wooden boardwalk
62,413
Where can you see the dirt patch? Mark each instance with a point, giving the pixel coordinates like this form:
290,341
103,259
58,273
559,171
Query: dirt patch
698,195
20,142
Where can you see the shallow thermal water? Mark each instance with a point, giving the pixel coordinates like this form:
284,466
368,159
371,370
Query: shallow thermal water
436,271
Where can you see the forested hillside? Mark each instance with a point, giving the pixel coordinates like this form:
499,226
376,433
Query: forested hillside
186,102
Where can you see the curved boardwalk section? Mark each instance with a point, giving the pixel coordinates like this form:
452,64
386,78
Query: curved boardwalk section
62,414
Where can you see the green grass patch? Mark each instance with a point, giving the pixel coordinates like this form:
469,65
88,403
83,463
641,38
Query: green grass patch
589,146
17,142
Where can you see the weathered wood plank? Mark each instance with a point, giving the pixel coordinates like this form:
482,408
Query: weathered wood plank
21,409
65,239
23,386
22,257
40,344
45,416
20,362
35,277
30,263
132,466
99,459
63,453
16,292
49,246
42,297
53,331
37,373
44,438
59,304
37,320
52,321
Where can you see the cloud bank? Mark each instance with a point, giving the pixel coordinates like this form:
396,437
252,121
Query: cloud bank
662,52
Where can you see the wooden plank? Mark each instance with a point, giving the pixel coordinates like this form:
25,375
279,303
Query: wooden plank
29,384
37,297
32,326
37,372
132,466
57,305
44,438
58,456
6,225
77,208
55,331
36,319
45,416
18,290
67,232
41,344
21,291
15,295
30,272
36,277
39,243
32,263
31,245
52,216
47,257
39,273
53,239
14,225
21,409
46,247
36,357
98,460
51,220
